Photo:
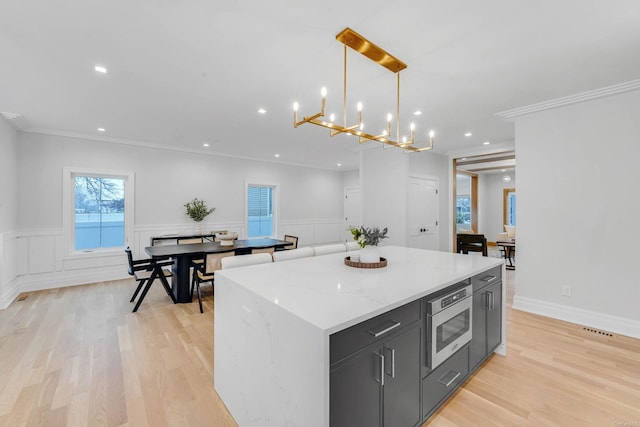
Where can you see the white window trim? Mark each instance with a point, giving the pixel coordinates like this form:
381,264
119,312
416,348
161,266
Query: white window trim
276,206
68,211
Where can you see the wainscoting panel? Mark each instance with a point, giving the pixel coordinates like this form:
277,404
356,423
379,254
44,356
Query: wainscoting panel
41,260
8,271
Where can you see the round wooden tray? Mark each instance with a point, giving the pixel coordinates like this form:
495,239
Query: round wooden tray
382,263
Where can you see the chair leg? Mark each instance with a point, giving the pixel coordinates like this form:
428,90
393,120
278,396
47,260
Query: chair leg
146,289
165,284
140,284
199,296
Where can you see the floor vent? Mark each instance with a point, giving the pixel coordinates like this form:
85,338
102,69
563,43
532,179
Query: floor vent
595,331
22,297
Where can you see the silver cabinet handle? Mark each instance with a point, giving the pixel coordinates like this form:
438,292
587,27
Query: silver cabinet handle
489,279
376,334
443,379
486,300
393,361
381,357
491,300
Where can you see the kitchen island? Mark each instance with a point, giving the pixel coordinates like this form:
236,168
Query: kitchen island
273,325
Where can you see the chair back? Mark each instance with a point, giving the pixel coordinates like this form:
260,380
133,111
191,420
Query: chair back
471,243
262,250
130,259
189,240
352,246
329,249
244,260
213,262
292,239
293,254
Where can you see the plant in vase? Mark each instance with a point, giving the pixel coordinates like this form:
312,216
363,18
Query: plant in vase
368,239
197,210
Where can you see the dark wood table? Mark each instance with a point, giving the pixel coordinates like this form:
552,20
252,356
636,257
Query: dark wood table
183,254
508,248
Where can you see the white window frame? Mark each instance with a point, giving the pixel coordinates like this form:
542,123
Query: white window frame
68,203
275,194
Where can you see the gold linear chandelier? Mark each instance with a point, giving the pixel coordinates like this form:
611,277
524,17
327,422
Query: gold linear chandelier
360,44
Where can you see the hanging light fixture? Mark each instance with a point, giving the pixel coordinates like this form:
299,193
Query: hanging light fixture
355,41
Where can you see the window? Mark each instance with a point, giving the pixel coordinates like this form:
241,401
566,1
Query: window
260,219
98,210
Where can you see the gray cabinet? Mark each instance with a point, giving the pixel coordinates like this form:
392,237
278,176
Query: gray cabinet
487,316
444,380
378,385
402,384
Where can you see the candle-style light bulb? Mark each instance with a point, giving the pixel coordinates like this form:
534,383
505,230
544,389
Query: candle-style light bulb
323,92
431,134
295,106
332,117
404,139
389,117
412,126
359,106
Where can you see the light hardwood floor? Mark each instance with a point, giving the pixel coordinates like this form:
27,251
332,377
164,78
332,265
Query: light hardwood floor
78,356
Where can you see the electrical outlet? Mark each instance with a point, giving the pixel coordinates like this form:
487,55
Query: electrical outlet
566,291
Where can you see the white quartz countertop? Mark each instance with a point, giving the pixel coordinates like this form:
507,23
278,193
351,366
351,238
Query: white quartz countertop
332,296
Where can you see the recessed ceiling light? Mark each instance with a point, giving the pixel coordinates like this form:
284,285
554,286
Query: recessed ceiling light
339,164
205,144
276,155
486,143
262,111
417,113
102,130
468,134
100,69
503,170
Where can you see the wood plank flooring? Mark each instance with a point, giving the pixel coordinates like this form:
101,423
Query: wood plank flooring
77,356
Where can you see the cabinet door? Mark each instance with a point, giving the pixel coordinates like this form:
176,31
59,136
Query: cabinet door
356,391
402,383
494,316
478,347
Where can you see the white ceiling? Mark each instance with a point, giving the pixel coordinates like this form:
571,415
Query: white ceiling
182,73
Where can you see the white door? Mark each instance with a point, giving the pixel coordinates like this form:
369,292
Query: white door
352,210
422,213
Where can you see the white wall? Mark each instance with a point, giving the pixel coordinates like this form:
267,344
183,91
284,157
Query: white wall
351,178
384,177
490,203
8,212
310,200
577,196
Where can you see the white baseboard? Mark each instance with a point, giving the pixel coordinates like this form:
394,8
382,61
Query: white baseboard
9,295
62,279
592,319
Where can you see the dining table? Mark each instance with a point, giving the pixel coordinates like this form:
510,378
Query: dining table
182,255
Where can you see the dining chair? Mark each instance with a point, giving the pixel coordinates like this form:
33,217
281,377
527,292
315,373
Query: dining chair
293,254
471,243
262,251
145,271
212,263
329,249
292,239
244,260
195,263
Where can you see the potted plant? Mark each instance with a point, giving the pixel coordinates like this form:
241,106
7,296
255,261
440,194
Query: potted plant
369,239
197,210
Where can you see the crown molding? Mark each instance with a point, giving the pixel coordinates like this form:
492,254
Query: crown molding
571,99
17,120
